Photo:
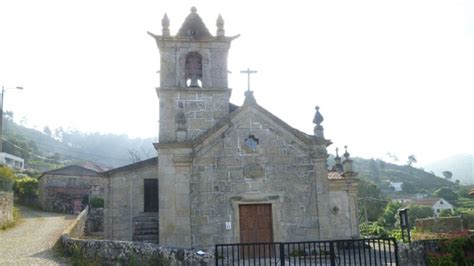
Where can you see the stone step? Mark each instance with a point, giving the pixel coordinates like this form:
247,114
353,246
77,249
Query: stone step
146,219
151,238
145,232
148,214
145,226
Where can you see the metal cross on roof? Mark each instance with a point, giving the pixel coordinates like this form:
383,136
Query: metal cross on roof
248,72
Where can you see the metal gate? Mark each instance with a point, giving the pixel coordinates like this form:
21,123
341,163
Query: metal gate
373,251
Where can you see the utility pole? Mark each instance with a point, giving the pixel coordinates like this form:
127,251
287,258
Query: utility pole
365,210
1,114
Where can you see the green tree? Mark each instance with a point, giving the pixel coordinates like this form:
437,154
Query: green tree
26,189
7,178
463,191
409,188
448,174
411,160
390,213
446,193
445,213
47,131
370,201
418,212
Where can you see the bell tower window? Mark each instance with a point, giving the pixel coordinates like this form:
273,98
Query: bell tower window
193,70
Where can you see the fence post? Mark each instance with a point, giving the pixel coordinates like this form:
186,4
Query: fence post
282,254
396,251
216,256
332,253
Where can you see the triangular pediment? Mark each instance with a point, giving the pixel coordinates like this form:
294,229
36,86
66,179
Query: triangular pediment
256,112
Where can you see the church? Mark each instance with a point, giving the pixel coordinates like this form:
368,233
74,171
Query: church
225,173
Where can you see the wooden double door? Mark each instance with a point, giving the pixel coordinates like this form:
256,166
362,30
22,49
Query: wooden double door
256,227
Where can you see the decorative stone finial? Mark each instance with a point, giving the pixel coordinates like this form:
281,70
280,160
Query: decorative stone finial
318,129
318,118
347,162
220,26
249,98
346,154
165,24
338,165
193,10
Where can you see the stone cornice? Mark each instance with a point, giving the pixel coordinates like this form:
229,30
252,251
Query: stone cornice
192,90
172,145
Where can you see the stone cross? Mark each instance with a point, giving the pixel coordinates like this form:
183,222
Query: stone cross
248,72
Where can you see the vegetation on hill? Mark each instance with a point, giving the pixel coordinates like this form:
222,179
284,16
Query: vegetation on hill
415,180
52,149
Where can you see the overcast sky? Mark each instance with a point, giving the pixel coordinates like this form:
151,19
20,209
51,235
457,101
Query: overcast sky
389,76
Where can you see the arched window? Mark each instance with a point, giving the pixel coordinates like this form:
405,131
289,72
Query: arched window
193,70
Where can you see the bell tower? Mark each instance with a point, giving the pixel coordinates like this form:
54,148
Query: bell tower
193,92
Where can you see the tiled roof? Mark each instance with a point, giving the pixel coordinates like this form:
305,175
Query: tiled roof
72,170
334,175
426,201
133,166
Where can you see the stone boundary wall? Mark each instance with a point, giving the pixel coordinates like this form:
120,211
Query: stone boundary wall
110,252
441,224
414,254
76,229
6,208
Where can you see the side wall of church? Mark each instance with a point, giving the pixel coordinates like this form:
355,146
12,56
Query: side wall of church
227,173
125,200
343,208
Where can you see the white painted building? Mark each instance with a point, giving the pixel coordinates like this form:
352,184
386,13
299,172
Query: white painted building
12,161
437,204
397,186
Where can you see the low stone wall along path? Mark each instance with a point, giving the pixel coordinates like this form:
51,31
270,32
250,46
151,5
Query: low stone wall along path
31,240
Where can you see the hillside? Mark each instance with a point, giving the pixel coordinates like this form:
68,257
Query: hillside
415,179
461,165
47,150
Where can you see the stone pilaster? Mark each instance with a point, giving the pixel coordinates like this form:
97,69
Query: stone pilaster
174,168
322,190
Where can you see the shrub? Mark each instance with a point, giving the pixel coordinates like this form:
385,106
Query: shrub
26,189
372,229
16,218
97,202
453,252
7,178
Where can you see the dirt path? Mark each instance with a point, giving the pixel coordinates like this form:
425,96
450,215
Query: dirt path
30,241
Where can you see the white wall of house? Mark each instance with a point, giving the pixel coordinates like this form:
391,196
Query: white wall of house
397,186
441,205
12,161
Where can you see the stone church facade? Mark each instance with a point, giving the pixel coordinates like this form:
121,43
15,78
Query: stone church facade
226,173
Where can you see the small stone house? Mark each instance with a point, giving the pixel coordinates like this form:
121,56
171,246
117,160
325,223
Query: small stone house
67,189
437,204
225,173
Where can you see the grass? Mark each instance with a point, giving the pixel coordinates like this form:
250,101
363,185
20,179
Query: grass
16,219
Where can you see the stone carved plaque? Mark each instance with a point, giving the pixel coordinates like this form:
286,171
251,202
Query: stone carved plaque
254,171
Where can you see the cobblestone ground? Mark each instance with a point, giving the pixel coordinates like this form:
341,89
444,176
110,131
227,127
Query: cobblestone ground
30,241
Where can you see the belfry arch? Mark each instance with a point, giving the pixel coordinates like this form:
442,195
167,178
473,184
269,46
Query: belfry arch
193,69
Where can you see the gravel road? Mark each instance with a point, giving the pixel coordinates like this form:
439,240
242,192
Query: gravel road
31,240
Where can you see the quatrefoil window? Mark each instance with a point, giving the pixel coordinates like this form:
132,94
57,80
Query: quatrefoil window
251,142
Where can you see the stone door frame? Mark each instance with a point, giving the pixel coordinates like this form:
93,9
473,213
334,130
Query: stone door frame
273,200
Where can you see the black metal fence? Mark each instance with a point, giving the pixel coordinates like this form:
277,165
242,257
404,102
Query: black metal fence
374,251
